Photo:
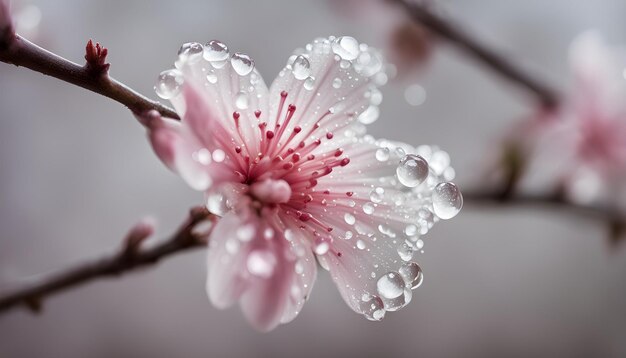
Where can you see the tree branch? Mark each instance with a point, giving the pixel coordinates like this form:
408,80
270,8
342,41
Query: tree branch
548,201
93,76
420,12
129,258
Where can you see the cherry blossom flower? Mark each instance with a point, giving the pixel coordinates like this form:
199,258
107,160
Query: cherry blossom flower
584,141
296,179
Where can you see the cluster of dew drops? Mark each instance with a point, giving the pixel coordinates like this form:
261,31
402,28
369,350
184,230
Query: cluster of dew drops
424,171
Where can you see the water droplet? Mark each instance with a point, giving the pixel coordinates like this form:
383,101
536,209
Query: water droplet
382,154
346,47
169,83
261,263
415,95
246,232
349,218
370,115
377,195
301,67
368,208
405,251
309,83
321,246
410,230
219,155
412,170
241,100
447,200
215,51
348,235
391,285
299,267
412,274
242,63
202,156
212,78
360,244
337,82
372,308
190,52
344,64
217,204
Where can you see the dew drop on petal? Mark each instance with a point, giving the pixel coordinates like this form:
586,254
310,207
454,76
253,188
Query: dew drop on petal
390,285
412,274
215,51
412,170
169,83
301,67
190,52
447,200
337,82
405,251
372,307
241,100
261,263
217,204
246,232
349,218
370,115
346,47
382,154
321,246
212,78
309,83
368,208
360,244
219,155
242,63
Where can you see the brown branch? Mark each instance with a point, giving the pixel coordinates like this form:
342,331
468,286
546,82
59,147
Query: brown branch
93,75
419,11
548,201
129,258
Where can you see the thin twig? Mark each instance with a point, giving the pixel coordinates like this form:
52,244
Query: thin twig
547,201
129,258
93,76
420,12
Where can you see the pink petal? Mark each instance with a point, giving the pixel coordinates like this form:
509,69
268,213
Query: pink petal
251,261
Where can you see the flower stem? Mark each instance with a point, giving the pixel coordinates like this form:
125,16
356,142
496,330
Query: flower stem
125,260
18,51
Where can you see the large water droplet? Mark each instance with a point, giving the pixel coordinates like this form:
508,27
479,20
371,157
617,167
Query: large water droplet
301,67
377,195
190,52
391,285
241,100
217,204
309,83
370,115
261,263
349,218
412,170
447,200
368,208
215,51
169,83
242,63
372,307
382,154
346,47
412,274
321,246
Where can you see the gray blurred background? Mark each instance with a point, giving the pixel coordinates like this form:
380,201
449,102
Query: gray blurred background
76,173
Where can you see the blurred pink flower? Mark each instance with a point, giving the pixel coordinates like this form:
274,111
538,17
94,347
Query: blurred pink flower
294,177
585,139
